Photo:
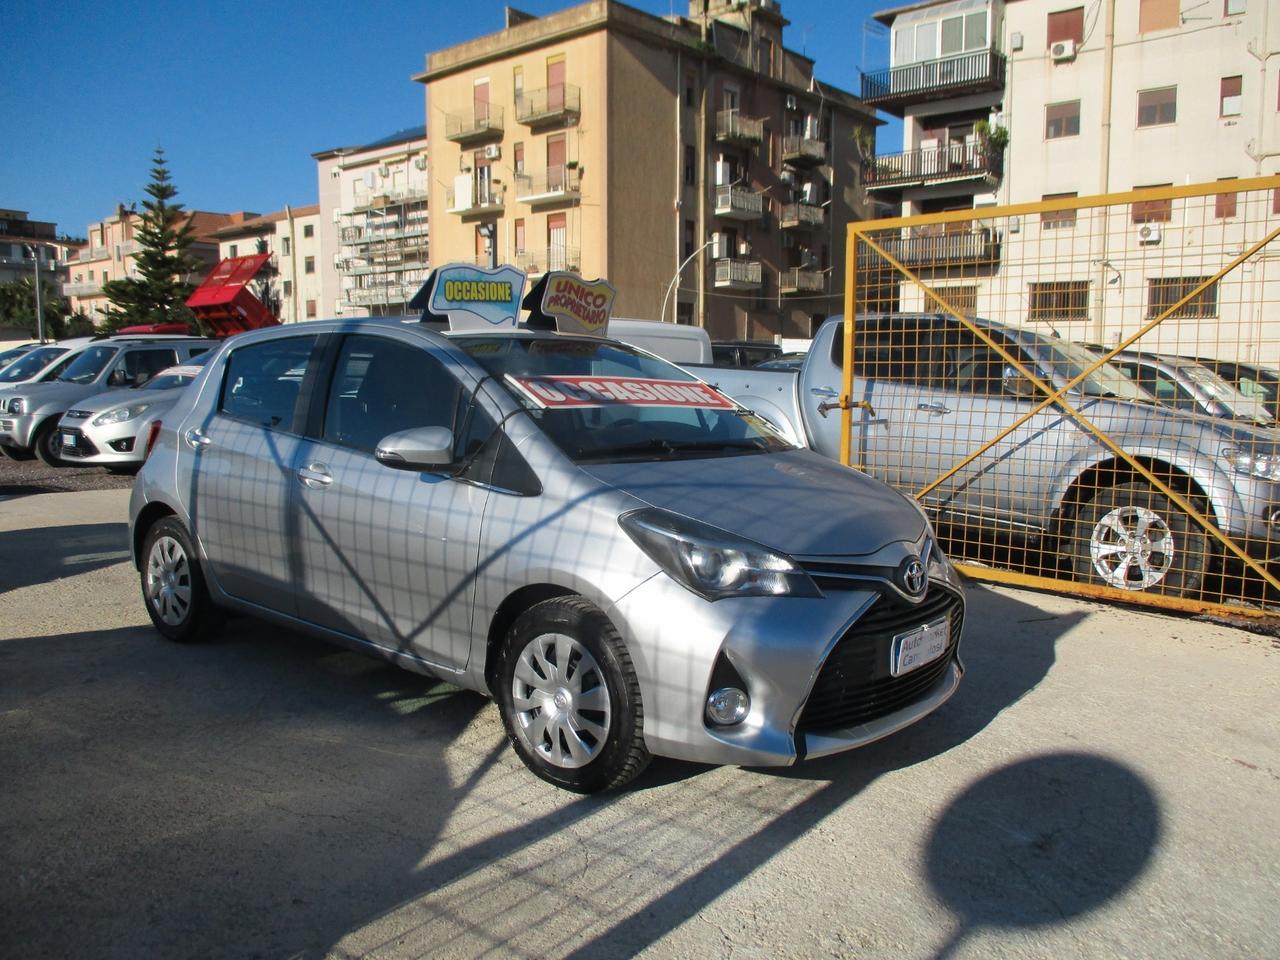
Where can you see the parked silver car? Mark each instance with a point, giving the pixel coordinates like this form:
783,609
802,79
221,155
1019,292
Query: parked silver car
1191,386
625,560
111,429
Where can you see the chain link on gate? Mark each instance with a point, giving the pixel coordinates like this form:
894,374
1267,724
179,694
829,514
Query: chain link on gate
1084,392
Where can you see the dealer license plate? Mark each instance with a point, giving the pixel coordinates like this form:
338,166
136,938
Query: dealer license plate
915,648
68,439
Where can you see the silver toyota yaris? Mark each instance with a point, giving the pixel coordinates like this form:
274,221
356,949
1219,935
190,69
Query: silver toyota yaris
627,562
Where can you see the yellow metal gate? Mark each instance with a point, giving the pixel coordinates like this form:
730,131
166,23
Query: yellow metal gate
1084,392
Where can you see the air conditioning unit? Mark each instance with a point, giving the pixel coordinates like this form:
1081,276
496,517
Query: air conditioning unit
492,152
384,171
1147,233
420,163
791,101
1063,50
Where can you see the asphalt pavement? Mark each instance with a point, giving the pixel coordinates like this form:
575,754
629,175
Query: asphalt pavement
1106,783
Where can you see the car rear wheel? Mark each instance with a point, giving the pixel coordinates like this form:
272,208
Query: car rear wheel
173,586
569,697
1132,537
47,443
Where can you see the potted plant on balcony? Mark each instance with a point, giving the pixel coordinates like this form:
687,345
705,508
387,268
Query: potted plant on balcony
993,138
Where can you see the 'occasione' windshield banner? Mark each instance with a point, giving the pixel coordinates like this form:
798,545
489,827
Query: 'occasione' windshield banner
568,391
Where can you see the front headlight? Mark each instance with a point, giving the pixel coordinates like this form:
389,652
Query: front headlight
714,563
1265,466
17,405
119,414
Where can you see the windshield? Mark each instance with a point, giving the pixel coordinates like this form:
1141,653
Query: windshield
602,401
28,365
1065,361
1237,404
86,367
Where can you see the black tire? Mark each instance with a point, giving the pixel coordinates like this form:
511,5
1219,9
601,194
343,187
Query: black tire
1132,537
173,587
46,443
579,726
16,453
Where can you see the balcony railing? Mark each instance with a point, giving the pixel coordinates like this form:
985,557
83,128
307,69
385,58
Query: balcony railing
387,199
800,280
359,236
480,198
803,216
978,247
738,203
803,151
738,274
946,163
478,125
557,102
391,292
934,79
86,289
733,127
535,262
557,184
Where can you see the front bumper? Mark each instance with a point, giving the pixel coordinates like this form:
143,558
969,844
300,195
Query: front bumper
16,428
81,442
817,670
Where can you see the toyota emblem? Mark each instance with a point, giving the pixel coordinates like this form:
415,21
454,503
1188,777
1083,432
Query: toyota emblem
912,577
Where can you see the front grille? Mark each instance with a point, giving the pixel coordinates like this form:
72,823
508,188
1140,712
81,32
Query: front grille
855,686
84,447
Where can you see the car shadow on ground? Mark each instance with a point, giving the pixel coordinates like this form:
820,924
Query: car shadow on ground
43,554
269,794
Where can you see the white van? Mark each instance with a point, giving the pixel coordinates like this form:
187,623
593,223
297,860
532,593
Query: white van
676,342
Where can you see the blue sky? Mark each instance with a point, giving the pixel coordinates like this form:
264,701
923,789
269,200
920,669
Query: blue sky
240,95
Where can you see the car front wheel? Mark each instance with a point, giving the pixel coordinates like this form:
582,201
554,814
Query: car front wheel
1132,537
173,586
47,443
569,697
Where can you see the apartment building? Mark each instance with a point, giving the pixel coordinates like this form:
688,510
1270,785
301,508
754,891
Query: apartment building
20,237
290,282
373,224
694,161
1095,98
112,247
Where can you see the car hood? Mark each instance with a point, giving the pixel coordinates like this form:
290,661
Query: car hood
118,398
55,392
796,501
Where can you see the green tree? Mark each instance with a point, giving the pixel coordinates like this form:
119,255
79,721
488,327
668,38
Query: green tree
18,308
164,261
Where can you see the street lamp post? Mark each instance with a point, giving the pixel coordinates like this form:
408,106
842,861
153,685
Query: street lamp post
667,296
35,258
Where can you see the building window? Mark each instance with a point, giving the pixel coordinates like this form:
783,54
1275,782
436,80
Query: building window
1153,211
690,166
764,56
1156,107
232,251
1158,15
1066,25
287,287
968,32
285,246
1062,120
1275,208
1058,300
517,156
1233,8
308,230
1229,97
309,265
1224,204
689,82
1058,219
1164,292
311,309
689,234
517,84
963,300
518,238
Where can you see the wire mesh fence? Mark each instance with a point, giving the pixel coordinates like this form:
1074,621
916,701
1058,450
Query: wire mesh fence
1084,391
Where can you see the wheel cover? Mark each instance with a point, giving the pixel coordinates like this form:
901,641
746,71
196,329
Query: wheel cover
1132,548
168,586
560,701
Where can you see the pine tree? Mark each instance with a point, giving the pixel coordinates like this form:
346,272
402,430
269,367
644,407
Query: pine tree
164,261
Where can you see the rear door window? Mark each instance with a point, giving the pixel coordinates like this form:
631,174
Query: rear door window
261,381
136,367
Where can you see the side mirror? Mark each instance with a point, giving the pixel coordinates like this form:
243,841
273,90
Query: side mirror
1015,384
419,448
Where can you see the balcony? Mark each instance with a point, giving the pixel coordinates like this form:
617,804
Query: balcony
738,274
482,124
946,163
481,198
979,247
86,289
387,199
733,127
800,280
536,262
557,185
801,216
803,151
553,104
940,79
381,293
360,236
738,203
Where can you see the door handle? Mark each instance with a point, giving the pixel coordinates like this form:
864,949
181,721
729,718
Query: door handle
196,439
315,476
933,407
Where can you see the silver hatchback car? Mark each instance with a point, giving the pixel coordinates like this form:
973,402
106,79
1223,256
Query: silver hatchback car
626,561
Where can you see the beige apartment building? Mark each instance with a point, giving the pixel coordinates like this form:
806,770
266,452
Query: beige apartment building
112,246
695,162
291,279
373,225
1097,99
20,237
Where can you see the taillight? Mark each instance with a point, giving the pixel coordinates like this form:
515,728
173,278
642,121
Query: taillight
151,439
